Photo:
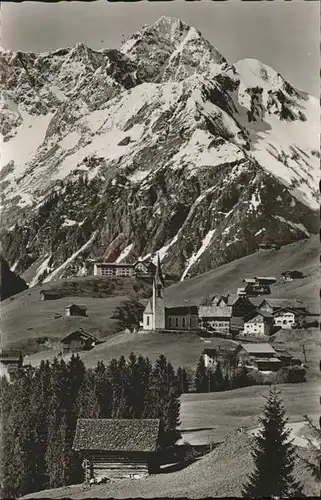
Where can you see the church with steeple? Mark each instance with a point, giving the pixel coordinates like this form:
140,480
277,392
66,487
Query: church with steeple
158,316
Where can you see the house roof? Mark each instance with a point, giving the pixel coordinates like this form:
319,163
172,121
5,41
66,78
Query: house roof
84,308
249,280
257,312
184,310
50,292
116,434
277,303
113,264
80,332
268,360
258,348
265,278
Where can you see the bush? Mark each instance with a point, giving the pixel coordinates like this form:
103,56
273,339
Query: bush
290,375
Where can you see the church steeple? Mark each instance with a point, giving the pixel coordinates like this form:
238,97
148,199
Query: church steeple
158,297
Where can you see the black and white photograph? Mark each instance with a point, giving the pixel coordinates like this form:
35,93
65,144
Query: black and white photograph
159,179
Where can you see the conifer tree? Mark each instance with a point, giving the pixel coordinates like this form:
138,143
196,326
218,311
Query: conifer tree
273,455
201,376
182,380
87,401
219,378
104,393
166,404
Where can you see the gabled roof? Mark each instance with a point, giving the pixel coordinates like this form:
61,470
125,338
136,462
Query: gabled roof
257,312
277,303
116,434
258,348
82,307
183,310
80,332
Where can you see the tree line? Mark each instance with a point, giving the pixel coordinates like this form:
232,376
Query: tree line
39,412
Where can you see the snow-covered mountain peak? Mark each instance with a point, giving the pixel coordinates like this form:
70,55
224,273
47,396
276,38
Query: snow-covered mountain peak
160,146
170,49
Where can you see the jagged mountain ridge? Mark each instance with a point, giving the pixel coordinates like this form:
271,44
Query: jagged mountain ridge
159,146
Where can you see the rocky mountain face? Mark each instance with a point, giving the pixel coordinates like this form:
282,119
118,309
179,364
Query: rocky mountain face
159,146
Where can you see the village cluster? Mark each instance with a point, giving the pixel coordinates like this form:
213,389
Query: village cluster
250,315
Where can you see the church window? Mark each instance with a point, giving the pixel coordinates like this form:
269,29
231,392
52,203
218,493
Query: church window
183,322
176,321
147,320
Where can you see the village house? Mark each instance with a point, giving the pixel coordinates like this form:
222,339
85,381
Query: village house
117,448
11,362
144,269
291,275
259,285
75,310
257,324
268,246
287,313
113,269
287,318
50,294
223,313
78,340
221,355
262,357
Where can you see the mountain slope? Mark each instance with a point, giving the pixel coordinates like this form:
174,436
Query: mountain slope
102,296
161,146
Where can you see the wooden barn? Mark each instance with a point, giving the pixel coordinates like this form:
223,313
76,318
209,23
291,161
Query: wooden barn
78,340
117,448
76,310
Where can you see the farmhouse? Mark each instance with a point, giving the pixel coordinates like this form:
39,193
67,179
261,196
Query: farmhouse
291,275
288,318
10,362
144,269
75,310
50,294
117,448
219,312
78,340
257,324
213,356
262,357
272,305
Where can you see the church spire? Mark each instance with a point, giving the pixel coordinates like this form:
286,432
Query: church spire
159,279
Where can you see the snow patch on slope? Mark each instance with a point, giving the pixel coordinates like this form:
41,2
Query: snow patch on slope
60,269
125,253
194,258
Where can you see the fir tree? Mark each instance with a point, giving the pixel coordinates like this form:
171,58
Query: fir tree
87,401
219,378
201,376
182,380
273,455
104,393
166,403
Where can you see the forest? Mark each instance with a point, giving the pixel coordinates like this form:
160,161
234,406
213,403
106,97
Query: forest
39,412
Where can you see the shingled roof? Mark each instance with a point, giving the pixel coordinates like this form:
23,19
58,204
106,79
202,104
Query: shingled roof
116,434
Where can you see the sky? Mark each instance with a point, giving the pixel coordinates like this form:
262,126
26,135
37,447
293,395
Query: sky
284,35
